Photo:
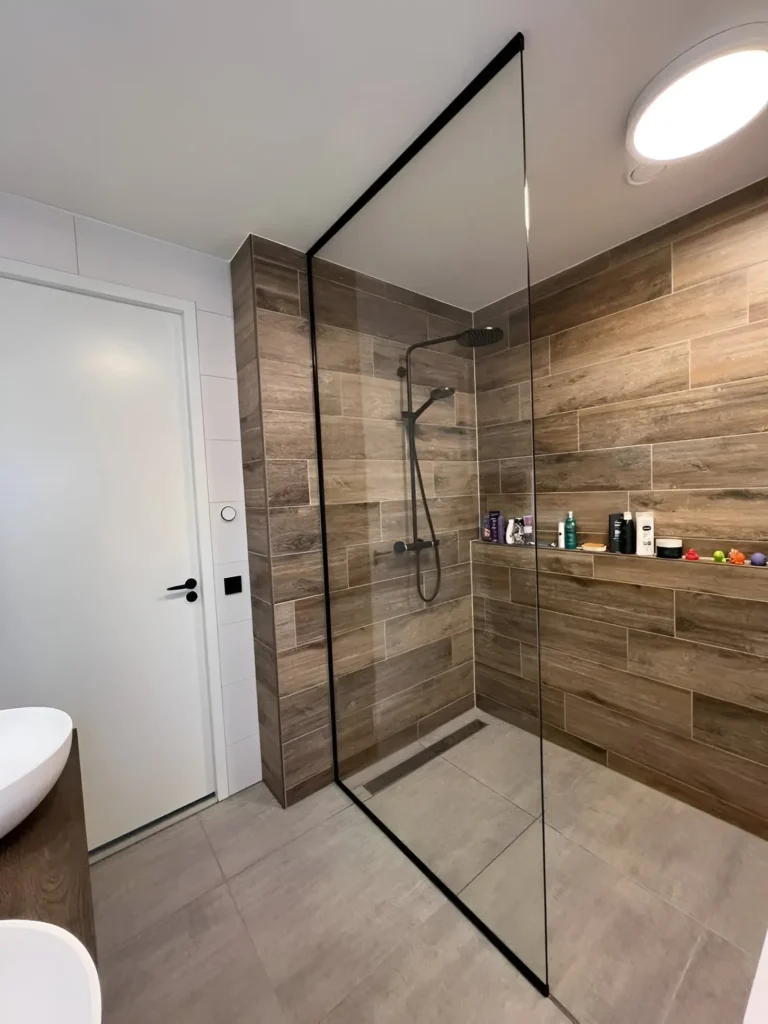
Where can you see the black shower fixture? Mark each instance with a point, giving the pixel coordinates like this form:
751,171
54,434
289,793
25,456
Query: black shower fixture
472,337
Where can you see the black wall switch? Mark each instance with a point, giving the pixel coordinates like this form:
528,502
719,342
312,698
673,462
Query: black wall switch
233,584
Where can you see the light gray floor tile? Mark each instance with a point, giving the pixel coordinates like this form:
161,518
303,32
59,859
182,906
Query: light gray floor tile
252,824
327,908
454,823
197,966
360,778
445,973
715,988
739,910
509,897
617,952
144,883
507,760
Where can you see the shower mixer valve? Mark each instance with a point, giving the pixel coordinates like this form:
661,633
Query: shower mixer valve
401,546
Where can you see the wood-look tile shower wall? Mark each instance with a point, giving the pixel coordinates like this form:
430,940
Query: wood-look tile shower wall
401,666
650,391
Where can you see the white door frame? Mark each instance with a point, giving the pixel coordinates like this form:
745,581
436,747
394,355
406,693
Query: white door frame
186,310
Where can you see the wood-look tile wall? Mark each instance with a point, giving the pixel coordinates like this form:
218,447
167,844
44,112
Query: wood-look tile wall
402,666
650,391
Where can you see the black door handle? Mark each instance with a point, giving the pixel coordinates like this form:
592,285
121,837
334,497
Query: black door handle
190,584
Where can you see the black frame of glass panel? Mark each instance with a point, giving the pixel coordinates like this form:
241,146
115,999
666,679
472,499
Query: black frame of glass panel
514,47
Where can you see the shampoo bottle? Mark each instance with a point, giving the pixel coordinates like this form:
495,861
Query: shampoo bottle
644,532
570,532
627,535
561,534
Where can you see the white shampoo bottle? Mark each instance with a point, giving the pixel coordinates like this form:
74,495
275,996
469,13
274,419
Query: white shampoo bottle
644,534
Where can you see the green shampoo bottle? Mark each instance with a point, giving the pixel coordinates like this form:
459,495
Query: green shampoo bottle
570,532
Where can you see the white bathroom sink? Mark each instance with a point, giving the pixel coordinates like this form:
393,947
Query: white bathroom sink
34,747
46,976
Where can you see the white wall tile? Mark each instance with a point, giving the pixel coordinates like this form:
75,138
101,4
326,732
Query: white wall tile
221,413
232,607
34,233
241,717
216,344
244,764
224,460
236,653
230,540
137,261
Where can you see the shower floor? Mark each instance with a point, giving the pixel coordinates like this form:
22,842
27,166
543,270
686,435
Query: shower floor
657,911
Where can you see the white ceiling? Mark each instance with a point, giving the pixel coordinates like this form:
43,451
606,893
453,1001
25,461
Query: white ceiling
198,122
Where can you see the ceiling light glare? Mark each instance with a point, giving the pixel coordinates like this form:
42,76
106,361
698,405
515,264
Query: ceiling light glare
699,100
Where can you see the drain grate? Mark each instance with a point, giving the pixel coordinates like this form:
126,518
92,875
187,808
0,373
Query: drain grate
423,757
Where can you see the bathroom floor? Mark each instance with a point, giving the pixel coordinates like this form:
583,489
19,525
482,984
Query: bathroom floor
247,912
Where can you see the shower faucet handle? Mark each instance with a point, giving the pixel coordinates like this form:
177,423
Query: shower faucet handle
401,546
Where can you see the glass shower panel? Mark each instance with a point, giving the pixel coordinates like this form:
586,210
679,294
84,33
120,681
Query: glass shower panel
423,367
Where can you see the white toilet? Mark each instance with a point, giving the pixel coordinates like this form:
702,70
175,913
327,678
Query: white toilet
46,976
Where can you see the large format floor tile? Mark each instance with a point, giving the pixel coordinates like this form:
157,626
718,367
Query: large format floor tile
326,909
142,884
197,966
739,910
454,823
716,985
252,824
445,973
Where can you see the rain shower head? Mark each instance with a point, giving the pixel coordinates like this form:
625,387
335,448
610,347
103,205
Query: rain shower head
476,337
437,393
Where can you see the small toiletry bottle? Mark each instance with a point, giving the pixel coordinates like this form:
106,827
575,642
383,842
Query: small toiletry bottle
627,535
644,534
561,534
494,518
485,533
570,532
614,531
510,534
528,530
501,529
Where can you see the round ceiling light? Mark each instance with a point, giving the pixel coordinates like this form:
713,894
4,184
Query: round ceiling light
703,97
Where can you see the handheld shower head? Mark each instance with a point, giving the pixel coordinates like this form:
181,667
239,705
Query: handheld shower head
477,337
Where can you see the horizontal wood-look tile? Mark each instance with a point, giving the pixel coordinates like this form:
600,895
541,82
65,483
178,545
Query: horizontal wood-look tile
614,469
255,483
287,482
705,513
704,577
462,647
516,621
448,514
360,606
616,380
309,616
244,305
294,529
715,411
501,405
719,250
426,698
526,402
529,662
713,306
349,481
376,682
571,563
733,727
505,687
504,440
256,530
344,351
571,276
345,438
276,252
757,283
666,706
464,407
559,433
515,476
432,623
286,387
277,287
295,576
491,581
357,523
302,667
372,563
722,774
263,621
612,289
455,581
517,556
513,365
712,462
429,368
260,576
708,618
283,338
730,355
623,604
359,648
455,478
354,310
590,508
285,626
523,587
498,651
602,642
288,435
715,671
304,712
372,397
307,756
446,442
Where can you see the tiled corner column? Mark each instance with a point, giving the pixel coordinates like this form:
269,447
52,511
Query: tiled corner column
282,514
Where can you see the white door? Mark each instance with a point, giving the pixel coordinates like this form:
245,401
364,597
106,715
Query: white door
97,520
